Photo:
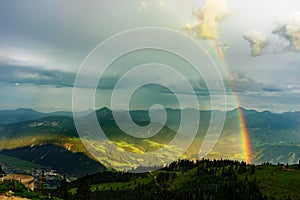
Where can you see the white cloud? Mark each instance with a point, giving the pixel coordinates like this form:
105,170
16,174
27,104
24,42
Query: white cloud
207,21
257,42
290,29
285,37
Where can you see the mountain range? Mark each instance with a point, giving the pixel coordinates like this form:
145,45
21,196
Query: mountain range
51,139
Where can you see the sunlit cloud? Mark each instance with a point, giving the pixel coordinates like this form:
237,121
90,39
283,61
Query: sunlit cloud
143,6
206,23
257,42
161,3
207,18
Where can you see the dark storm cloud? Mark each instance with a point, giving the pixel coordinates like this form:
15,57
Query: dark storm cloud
39,76
244,84
199,89
31,75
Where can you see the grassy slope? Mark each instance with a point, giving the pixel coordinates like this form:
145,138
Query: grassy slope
278,181
17,163
275,182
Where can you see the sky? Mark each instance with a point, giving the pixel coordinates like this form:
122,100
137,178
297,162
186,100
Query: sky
43,45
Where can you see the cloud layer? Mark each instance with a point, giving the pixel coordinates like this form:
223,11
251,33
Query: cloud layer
245,84
30,75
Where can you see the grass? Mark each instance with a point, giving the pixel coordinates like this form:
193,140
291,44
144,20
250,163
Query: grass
56,139
182,178
274,181
17,163
130,185
277,181
113,156
129,147
120,185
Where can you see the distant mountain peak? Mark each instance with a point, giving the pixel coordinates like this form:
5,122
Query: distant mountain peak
103,110
240,109
266,112
245,111
104,113
25,109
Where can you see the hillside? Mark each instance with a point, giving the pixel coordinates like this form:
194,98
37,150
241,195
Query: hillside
61,131
202,179
274,137
25,114
183,179
58,158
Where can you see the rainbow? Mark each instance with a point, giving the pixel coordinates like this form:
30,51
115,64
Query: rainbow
217,53
244,134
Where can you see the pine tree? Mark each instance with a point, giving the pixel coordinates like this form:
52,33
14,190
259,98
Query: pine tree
64,188
252,169
83,191
3,173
